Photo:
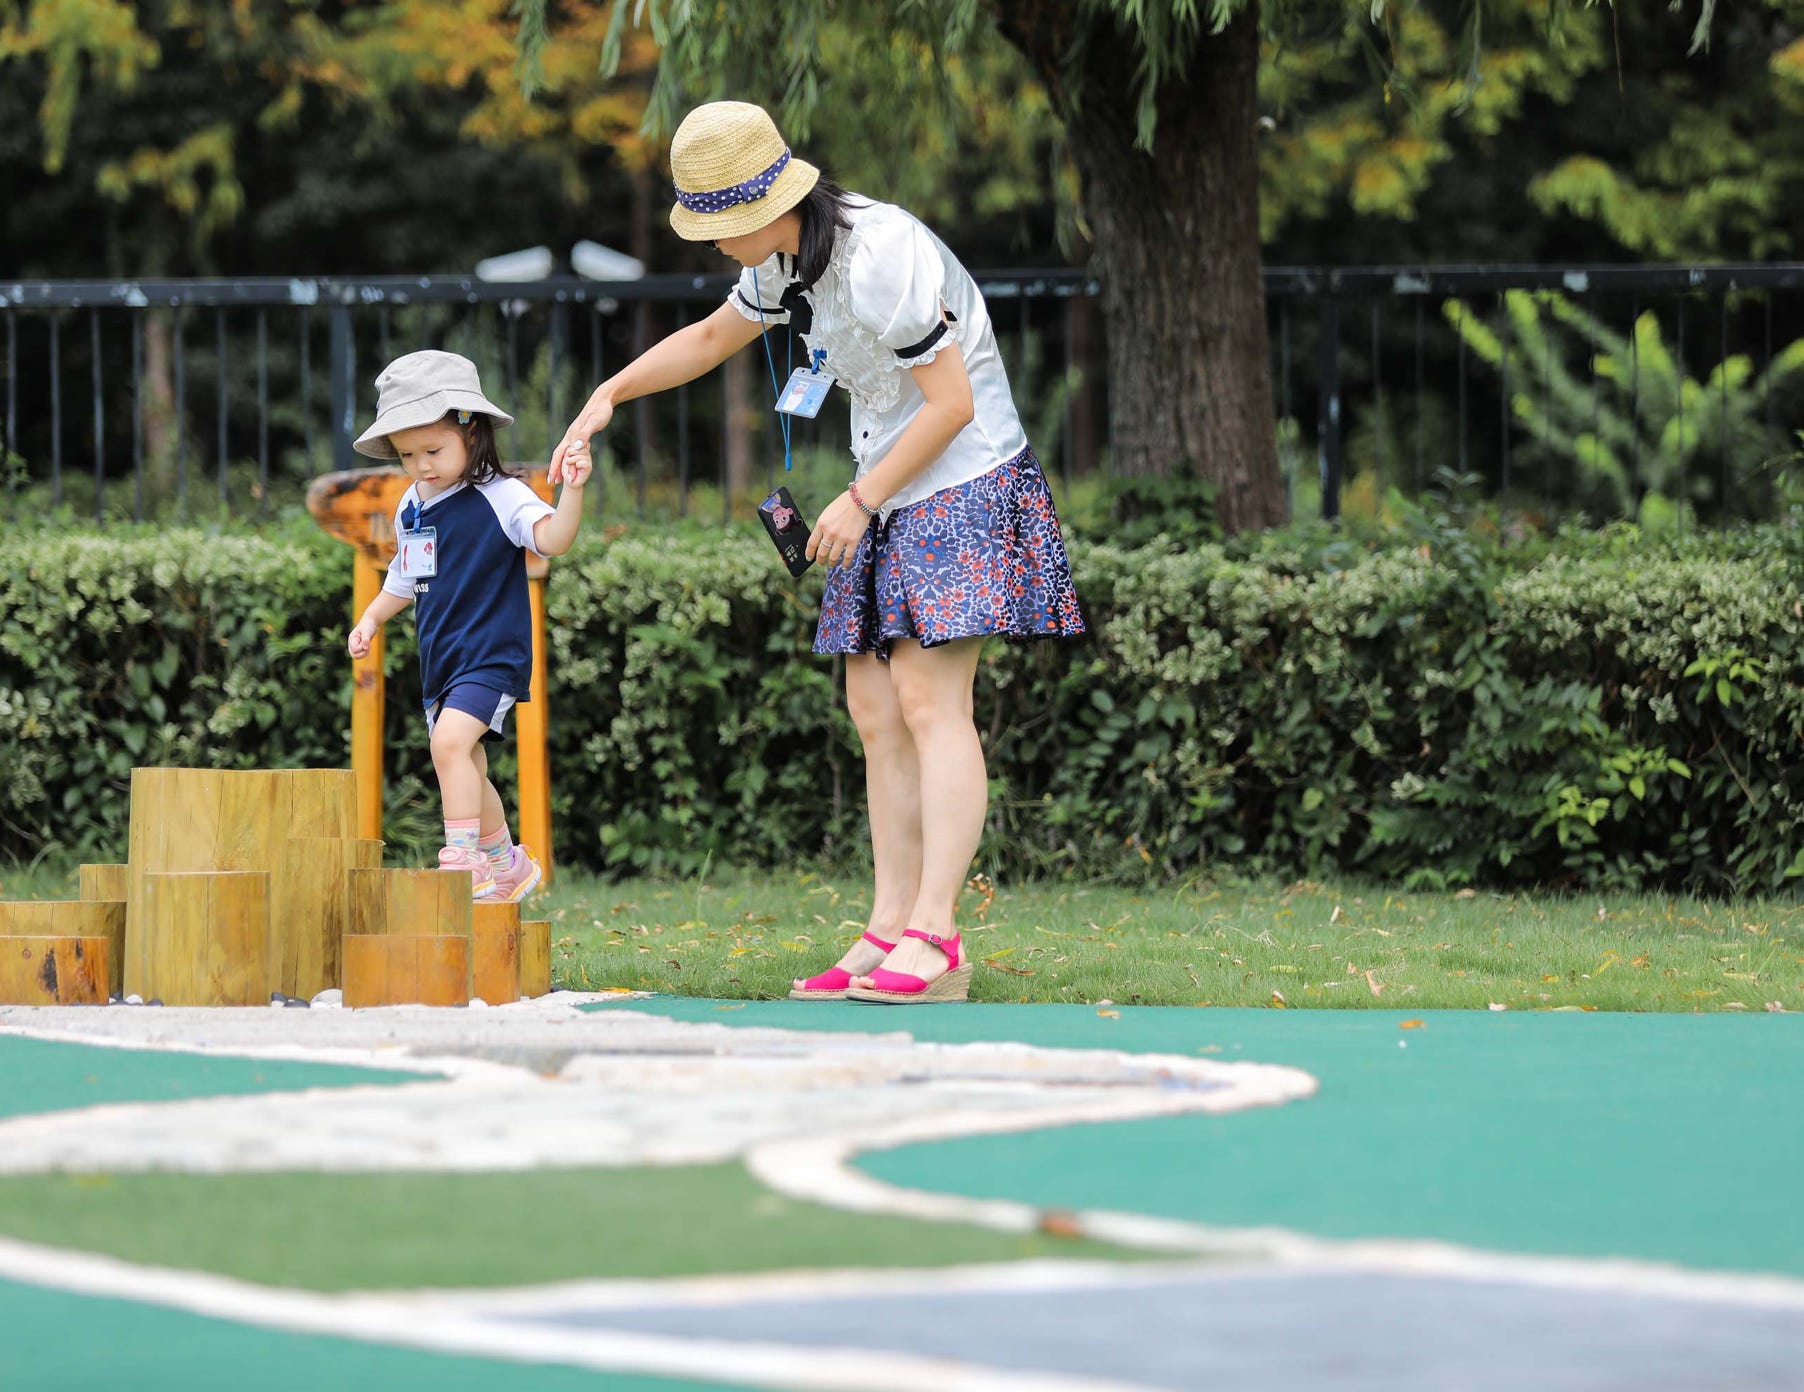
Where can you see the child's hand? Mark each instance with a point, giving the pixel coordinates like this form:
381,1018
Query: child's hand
577,464
361,638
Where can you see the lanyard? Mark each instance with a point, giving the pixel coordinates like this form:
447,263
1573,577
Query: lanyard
788,366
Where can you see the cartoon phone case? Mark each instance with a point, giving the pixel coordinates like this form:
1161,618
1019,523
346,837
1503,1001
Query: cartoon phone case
783,520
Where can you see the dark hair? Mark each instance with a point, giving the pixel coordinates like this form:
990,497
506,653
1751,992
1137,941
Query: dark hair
479,444
825,214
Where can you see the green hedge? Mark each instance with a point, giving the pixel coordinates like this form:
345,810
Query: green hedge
1425,708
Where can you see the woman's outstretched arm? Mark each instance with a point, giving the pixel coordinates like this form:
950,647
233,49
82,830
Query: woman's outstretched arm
670,362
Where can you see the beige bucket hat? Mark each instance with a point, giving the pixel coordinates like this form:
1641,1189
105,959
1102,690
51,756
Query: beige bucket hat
733,172
417,390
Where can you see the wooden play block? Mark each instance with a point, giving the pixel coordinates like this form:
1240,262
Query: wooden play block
310,910
221,820
105,882
535,958
54,971
76,919
406,969
495,953
199,938
410,903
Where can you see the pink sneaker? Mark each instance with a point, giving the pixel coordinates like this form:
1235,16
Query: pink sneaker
513,884
473,862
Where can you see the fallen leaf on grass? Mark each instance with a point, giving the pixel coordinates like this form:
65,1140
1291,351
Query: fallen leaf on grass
1004,967
1497,1005
1335,916
1060,1222
1775,1008
1373,981
1409,1024
1278,999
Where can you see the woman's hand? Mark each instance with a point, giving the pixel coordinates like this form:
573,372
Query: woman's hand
592,421
838,531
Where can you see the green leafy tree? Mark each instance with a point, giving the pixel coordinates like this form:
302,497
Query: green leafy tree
1159,102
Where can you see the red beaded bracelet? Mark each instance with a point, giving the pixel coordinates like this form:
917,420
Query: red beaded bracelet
863,506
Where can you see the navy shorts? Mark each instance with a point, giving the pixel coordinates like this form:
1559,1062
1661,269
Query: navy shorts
484,702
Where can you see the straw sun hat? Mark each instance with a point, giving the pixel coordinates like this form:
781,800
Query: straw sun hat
733,172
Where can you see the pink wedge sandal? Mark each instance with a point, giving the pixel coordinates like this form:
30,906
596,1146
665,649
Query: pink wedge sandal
899,988
831,984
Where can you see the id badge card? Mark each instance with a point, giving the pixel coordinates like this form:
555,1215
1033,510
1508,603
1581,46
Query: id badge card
419,554
806,393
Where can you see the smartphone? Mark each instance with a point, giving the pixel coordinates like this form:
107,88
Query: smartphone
783,520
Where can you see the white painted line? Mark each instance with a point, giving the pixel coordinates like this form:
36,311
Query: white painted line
416,1324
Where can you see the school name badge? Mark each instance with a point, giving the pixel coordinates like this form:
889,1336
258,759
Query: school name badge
419,554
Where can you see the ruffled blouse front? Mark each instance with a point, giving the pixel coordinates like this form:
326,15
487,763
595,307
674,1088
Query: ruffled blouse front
893,298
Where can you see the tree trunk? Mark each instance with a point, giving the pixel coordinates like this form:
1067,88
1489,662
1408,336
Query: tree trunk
1176,234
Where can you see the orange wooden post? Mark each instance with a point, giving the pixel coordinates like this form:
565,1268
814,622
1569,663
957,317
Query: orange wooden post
532,720
367,701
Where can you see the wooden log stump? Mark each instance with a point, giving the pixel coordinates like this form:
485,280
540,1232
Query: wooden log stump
495,953
406,969
535,958
216,820
105,882
76,919
410,903
203,938
54,970
310,910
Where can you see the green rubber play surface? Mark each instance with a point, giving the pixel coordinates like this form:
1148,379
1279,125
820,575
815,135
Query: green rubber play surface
51,1076
383,1231
1662,1137
102,1343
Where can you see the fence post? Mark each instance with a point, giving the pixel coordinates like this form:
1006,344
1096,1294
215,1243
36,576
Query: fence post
342,373
1327,357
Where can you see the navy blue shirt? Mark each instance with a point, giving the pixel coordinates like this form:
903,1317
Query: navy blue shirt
473,612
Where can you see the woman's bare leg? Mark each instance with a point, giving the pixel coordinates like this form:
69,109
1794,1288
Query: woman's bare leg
933,690
892,779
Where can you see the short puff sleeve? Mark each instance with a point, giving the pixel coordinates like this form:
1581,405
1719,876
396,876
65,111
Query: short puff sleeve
759,294
897,281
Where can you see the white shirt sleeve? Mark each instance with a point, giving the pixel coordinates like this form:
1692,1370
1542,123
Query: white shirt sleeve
761,287
517,508
394,583
898,283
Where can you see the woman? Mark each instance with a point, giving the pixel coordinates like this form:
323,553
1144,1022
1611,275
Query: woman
946,534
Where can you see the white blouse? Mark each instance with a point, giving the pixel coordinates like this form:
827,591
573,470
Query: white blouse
893,297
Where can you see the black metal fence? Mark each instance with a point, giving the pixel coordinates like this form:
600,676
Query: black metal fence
1559,388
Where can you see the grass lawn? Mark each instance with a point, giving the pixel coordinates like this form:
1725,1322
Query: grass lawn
744,934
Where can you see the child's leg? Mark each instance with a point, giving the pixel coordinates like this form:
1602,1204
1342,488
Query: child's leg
516,873
456,737
494,815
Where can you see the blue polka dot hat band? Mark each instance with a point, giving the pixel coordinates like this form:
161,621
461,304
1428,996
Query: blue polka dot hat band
719,200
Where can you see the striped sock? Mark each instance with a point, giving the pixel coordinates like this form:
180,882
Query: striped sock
498,846
463,834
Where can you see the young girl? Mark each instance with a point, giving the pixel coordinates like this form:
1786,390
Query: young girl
461,534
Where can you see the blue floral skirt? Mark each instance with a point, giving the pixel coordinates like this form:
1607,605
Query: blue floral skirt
982,557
